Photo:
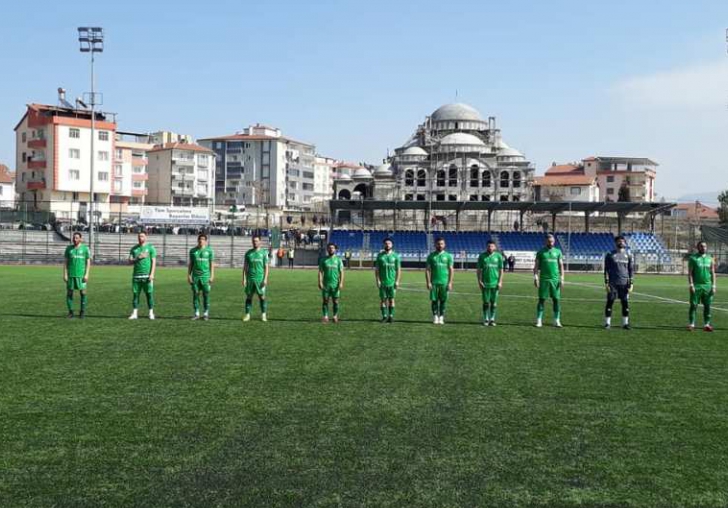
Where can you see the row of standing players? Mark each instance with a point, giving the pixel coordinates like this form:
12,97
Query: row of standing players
548,273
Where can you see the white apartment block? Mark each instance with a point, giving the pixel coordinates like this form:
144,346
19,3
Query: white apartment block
130,172
261,167
53,160
324,172
7,187
181,174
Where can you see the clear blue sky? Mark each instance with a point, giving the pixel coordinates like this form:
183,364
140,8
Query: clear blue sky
566,79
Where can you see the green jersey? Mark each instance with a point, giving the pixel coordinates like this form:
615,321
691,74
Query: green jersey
699,266
387,266
548,263
76,258
490,265
142,266
201,260
439,264
331,267
255,261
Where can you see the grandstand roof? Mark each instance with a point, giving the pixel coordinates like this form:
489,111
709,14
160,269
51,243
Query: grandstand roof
520,206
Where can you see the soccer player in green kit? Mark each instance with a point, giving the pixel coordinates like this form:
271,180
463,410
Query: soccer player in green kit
201,275
76,270
490,280
255,279
439,272
387,271
548,277
701,277
144,258
330,282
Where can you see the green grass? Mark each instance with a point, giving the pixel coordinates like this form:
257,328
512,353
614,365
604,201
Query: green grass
110,413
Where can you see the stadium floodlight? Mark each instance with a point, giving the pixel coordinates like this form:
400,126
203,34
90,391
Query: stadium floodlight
91,40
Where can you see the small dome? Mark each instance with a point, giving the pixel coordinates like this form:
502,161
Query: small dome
361,174
461,138
509,152
415,150
343,178
384,171
456,111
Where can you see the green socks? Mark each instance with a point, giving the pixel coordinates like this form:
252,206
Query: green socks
391,311
69,301
263,306
383,308
325,309
557,310
248,305
435,308
84,299
206,301
539,309
336,308
692,313
196,301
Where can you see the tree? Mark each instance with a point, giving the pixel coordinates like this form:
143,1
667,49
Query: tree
623,194
723,207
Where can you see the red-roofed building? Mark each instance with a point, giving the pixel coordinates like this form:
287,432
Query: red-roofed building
566,182
695,211
7,187
53,158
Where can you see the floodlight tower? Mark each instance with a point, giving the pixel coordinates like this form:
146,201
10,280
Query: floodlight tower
91,40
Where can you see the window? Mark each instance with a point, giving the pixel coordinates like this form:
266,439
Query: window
408,197
118,186
421,178
452,177
117,170
103,176
74,196
504,180
74,174
486,179
409,177
119,154
473,197
74,133
516,179
25,157
504,197
103,135
610,179
138,185
420,197
610,191
452,197
485,197
440,197
441,178
308,174
474,176
24,137
103,156
575,191
308,186
74,153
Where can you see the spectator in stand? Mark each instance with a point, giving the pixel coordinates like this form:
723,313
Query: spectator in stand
347,258
511,263
291,257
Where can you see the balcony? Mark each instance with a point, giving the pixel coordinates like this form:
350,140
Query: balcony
139,161
139,177
37,143
138,192
36,164
36,185
180,191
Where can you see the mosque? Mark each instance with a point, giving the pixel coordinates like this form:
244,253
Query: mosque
455,155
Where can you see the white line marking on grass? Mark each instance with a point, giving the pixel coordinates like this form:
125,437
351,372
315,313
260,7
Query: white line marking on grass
661,299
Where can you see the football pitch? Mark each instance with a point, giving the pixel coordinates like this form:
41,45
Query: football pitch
108,412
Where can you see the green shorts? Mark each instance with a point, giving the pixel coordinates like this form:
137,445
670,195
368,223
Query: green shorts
387,292
254,288
75,283
332,292
549,289
142,284
490,295
201,284
439,293
702,295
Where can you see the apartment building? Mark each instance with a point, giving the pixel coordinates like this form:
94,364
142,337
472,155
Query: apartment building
7,187
181,174
260,167
53,159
